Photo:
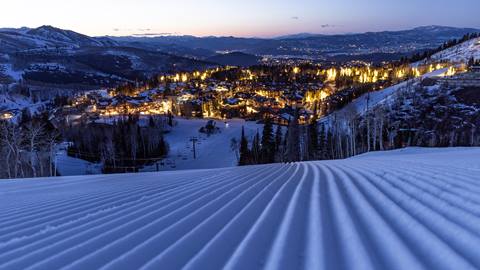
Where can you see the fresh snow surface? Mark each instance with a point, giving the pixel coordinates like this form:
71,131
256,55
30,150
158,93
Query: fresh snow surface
68,166
212,151
406,209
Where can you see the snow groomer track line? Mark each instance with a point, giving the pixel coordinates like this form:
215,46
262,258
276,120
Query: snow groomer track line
406,209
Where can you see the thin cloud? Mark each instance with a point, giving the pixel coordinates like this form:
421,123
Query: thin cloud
143,32
154,34
328,26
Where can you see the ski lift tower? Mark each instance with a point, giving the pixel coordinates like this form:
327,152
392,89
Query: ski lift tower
194,141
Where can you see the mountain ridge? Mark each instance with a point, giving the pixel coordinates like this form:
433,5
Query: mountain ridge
30,53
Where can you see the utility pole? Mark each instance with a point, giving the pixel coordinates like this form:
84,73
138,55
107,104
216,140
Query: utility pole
194,141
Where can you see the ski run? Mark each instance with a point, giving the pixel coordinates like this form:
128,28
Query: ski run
405,209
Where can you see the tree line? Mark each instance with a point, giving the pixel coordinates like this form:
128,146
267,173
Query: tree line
416,117
281,144
126,145
28,148
421,114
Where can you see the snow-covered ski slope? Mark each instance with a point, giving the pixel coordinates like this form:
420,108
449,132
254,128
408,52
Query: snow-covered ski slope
460,53
370,100
406,209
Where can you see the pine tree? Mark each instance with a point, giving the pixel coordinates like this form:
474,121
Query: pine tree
292,153
322,143
278,140
151,123
170,119
256,148
267,154
283,154
312,147
330,145
244,151
26,116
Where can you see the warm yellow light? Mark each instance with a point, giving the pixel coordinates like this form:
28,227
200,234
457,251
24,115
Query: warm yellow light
416,72
375,76
363,78
323,95
347,72
451,71
331,74
385,75
400,74
6,116
251,110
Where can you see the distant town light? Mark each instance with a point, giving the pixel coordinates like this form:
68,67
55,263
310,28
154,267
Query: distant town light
6,116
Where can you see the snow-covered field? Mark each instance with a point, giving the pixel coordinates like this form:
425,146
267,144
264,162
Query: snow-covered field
212,151
68,166
406,209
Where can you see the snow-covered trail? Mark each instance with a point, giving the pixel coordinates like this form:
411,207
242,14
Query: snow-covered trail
211,151
406,209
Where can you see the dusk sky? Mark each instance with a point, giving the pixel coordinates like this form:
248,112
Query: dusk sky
265,18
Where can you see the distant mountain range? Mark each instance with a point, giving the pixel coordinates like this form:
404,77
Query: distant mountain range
311,45
235,59
54,57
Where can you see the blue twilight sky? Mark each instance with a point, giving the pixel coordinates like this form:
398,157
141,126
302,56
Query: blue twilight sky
262,18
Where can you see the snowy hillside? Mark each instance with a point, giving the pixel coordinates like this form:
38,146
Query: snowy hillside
372,99
460,53
44,37
407,209
15,103
63,58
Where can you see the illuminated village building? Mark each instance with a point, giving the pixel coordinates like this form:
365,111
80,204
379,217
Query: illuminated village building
253,96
